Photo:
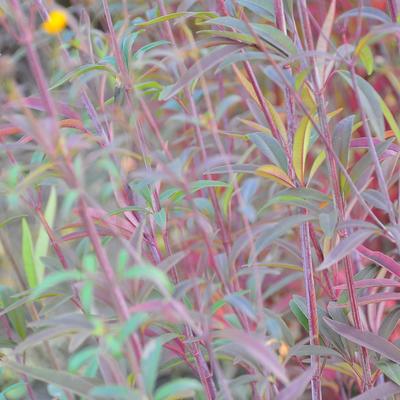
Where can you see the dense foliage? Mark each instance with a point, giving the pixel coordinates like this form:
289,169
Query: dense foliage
199,199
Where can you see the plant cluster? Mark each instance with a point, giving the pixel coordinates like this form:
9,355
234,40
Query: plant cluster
199,199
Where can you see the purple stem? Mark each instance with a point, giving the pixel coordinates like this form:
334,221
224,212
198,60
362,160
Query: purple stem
320,100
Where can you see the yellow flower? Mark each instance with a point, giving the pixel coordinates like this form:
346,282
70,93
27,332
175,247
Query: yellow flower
55,23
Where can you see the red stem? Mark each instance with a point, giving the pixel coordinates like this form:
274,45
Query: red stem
320,100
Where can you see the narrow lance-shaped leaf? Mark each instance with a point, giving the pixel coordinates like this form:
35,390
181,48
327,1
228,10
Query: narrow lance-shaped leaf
178,388
370,101
276,174
257,350
175,15
260,7
381,259
72,383
83,69
150,361
197,70
390,119
300,147
367,339
42,242
270,147
315,165
323,41
365,12
391,370
274,38
380,392
367,59
28,257
297,387
274,114
345,247
389,323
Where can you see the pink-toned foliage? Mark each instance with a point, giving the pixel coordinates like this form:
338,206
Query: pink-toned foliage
200,199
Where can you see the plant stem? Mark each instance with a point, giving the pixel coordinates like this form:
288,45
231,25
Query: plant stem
305,239
311,307
372,149
316,126
322,114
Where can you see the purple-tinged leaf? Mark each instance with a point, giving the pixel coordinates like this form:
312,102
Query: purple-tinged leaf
313,350
366,283
297,387
38,338
374,298
381,259
365,12
366,339
370,101
379,392
391,370
255,348
197,70
73,383
344,247
390,322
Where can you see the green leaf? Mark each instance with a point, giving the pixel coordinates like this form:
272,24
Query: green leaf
131,325
367,59
14,392
242,304
275,174
8,220
28,257
160,218
276,39
370,101
176,15
301,317
260,7
149,47
270,147
341,138
126,46
341,143
300,147
71,383
114,392
55,279
238,37
81,357
365,163
16,315
150,360
390,119
43,240
391,370
202,184
82,70
178,388
150,273
376,34
316,164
